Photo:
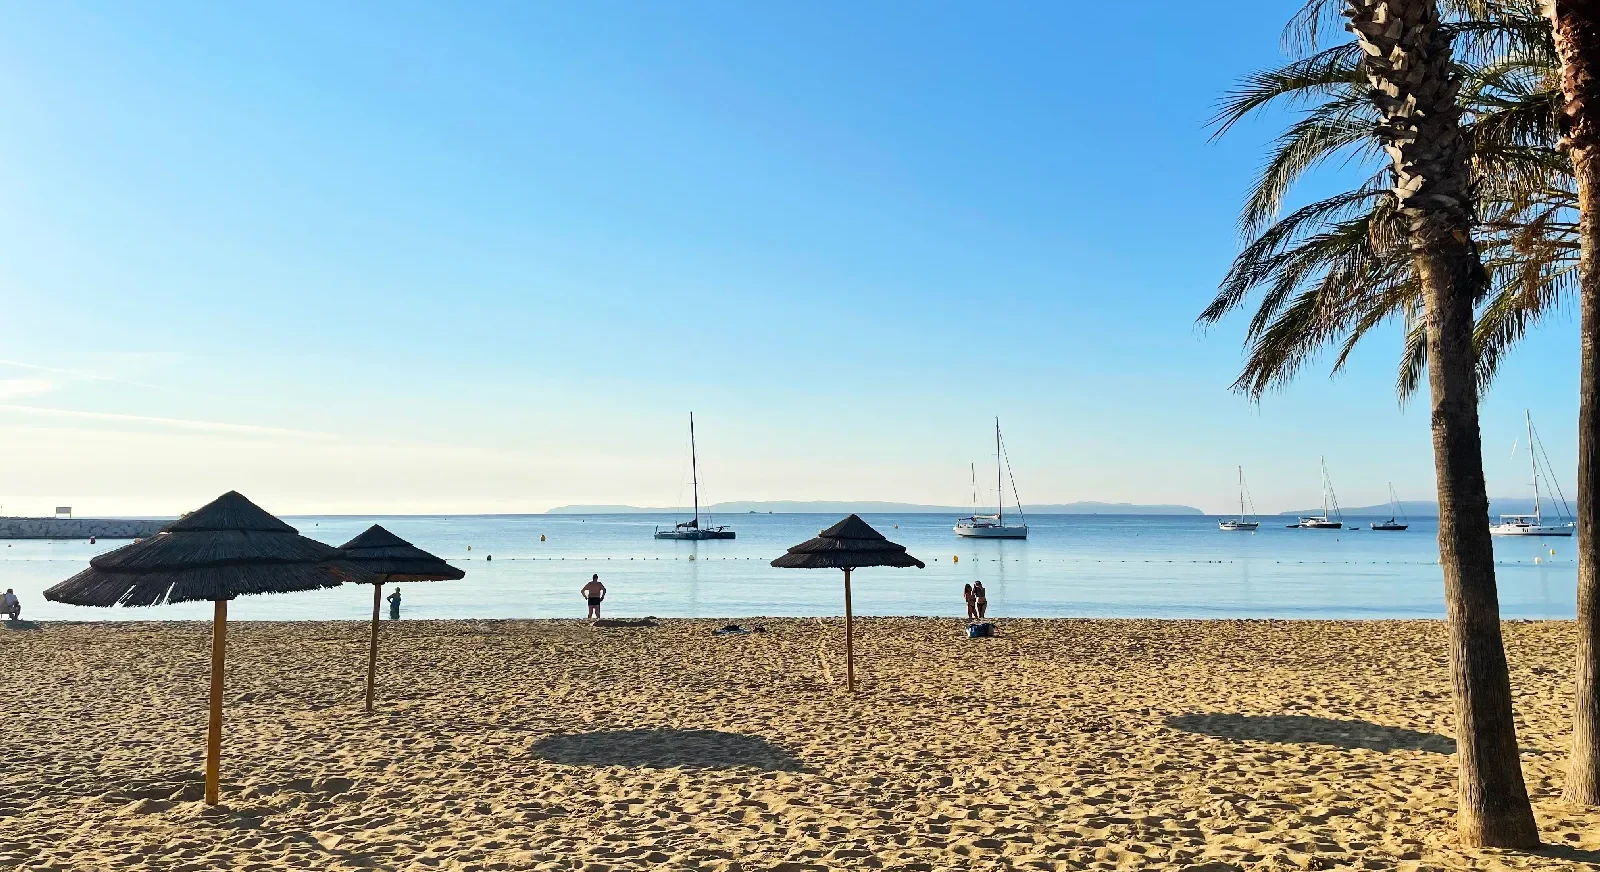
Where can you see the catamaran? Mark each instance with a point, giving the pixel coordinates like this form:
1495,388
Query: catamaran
1534,524
692,529
1394,509
1324,521
1240,523
994,526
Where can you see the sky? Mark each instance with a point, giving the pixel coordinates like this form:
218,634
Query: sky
482,258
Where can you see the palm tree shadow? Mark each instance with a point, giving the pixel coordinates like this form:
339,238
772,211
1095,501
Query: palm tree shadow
1308,730
666,749
1569,853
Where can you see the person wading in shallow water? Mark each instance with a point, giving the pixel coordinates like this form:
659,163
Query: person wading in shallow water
980,598
595,593
394,605
972,603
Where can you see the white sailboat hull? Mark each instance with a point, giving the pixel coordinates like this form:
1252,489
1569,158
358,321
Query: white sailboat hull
1248,526
695,535
1531,530
992,531
1320,524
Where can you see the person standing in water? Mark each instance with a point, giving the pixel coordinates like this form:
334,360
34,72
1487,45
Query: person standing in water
980,598
595,593
394,605
10,606
972,607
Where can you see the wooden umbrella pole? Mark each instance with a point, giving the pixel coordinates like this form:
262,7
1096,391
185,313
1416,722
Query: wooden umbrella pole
849,638
219,649
372,649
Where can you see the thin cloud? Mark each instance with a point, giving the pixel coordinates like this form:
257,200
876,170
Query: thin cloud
78,374
179,423
12,388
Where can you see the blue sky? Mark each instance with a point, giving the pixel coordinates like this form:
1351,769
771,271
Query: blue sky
486,257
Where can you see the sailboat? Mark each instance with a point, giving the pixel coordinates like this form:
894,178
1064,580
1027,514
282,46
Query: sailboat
994,526
692,529
1534,525
1324,521
1394,509
1240,523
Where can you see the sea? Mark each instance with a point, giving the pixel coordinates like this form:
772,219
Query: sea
1123,566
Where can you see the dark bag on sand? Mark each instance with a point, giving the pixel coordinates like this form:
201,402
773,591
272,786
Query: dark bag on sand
980,631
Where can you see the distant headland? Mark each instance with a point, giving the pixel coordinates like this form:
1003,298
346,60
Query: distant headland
845,507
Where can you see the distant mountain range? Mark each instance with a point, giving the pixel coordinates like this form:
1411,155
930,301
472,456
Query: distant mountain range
841,507
1430,509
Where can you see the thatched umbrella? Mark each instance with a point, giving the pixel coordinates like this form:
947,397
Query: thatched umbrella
391,558
228,548
848,545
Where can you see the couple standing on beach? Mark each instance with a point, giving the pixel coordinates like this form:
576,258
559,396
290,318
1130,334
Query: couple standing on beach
977,601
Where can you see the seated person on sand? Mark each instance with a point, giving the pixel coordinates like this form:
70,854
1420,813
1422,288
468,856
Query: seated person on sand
595,593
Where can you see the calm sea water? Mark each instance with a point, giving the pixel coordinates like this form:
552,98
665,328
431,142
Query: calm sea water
1072,565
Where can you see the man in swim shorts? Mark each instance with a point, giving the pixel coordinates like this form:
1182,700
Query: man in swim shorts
595,593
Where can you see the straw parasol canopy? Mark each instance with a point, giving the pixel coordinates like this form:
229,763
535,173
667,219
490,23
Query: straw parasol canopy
230,547
390,558
848,545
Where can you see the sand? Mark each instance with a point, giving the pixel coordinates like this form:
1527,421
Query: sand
549,745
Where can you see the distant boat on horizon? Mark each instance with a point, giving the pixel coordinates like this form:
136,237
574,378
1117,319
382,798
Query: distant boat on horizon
1534,525
692,530
1324,521
994,526
1241,523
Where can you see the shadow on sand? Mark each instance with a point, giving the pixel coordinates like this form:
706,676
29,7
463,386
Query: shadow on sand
665,749
20,625
1304,729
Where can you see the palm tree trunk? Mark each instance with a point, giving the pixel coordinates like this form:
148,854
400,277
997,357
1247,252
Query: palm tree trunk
1577,38
1408,62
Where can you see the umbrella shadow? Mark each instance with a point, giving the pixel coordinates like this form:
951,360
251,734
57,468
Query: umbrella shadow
666,749
180,785
1308,730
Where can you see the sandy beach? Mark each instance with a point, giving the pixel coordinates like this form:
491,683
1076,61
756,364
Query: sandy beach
500,745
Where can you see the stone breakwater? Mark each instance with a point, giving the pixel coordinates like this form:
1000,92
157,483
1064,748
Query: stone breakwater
79,528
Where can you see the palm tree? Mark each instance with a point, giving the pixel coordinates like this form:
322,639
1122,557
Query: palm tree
1403,242
1333,270
1576,26
1414,87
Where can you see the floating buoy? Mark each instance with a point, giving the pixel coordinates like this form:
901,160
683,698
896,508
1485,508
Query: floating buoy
469,547
1538,560
91,542
691,556
1552,550
955,558
490,557
541,537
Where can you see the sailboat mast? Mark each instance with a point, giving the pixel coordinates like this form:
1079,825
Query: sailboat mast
694,472
1533,461
973,468
1324,486
1241,493
999,488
